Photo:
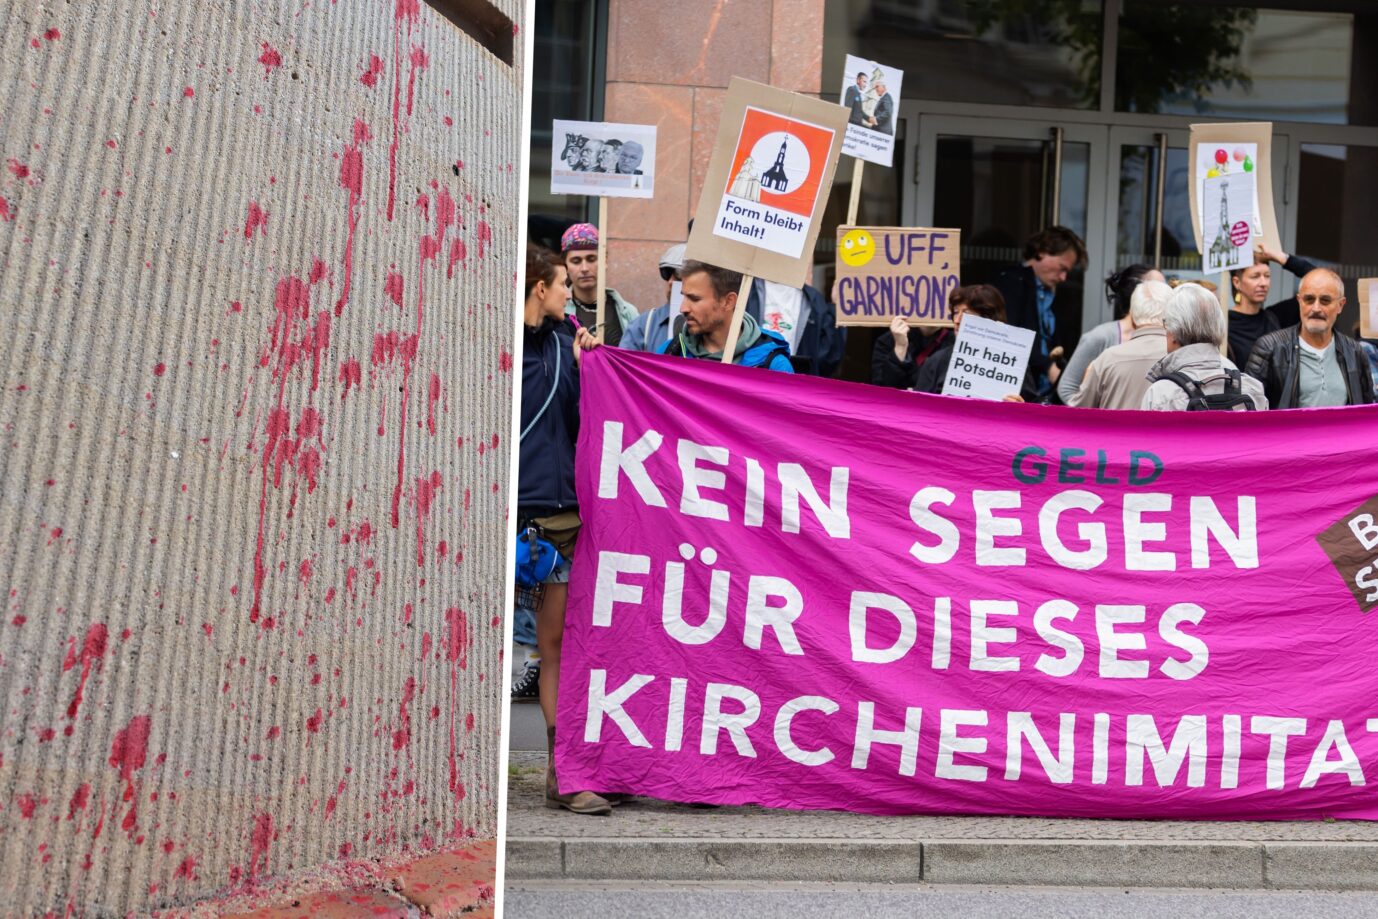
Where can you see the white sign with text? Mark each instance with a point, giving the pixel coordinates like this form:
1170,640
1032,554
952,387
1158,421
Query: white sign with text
989,359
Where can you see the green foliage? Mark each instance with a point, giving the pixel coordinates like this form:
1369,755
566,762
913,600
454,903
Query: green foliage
1165,50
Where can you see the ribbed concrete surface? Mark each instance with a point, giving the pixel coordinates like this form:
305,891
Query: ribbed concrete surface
254,444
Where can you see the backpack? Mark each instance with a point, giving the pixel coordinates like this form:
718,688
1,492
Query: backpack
1199,401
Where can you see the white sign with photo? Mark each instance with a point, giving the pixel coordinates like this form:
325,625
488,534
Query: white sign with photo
871,93
1216,160
989,359
1227,226
602,159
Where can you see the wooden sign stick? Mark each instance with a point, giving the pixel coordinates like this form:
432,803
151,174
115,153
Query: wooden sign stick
602,266
734,332
854,205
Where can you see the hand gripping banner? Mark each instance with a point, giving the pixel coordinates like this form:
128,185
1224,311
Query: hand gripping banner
804,593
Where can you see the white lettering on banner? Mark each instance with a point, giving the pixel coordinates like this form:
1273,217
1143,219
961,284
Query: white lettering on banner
672,608
1207,523
734,723
1189,740
632,461
1112,642
1278,730
983,635
779,619
862,603
1020,727
608,590
674,722
942,632
601,703
1232,728
1100,750
692,502
795,483
1365,530
950,744
1168,631
1074,650
785,741
867,734
1347,764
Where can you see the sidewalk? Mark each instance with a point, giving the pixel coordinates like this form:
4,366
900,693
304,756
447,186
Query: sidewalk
647,840
444,885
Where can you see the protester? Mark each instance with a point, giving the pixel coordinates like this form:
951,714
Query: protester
900,353
1308,365
1118,377
979,300
1119,288
710,298
651,329
805,319
1193,375
546,497
1249,319
1031,300
580,247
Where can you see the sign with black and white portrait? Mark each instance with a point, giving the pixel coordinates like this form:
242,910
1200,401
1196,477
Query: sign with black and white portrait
871,94
601,159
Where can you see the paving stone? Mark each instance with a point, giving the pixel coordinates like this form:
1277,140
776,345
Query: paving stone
450,883
336,904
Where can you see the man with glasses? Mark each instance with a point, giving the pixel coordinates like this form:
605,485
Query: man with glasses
651,329
1308,365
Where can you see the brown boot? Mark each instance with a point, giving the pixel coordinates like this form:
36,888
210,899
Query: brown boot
580,802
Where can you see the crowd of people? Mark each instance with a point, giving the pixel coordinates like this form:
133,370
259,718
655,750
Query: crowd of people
1169,348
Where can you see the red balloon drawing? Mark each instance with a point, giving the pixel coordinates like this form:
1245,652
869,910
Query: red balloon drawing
1221,156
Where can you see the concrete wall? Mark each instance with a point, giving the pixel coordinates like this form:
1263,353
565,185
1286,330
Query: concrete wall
669,62
256,268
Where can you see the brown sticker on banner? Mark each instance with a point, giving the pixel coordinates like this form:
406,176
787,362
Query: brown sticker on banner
1352,544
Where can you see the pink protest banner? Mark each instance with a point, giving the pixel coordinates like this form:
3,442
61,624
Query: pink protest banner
806,593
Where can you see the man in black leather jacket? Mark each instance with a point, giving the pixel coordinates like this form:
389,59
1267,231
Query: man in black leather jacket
1308,365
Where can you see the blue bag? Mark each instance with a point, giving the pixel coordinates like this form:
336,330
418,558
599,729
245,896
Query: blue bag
536,558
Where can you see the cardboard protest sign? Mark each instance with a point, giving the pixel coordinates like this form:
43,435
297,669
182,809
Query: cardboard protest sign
884,272
1228,230
1368,307
603,159
1232,150
871,94
988,359
1064,614
767,183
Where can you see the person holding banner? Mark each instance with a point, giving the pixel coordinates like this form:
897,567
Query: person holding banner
1030,293
1308,365
980,300
546,499
1249,319
710,301
580,246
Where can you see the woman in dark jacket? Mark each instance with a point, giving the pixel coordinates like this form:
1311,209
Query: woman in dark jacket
545,479
979,300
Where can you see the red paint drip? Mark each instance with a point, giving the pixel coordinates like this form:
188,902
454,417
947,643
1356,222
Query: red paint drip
257,219
457,652
260,839
352,180
458,253
80,797
18,169
393,287
349,375
402,736
432,397
419,61
92,657
409,12
425,493
270,59
129,753
505,361
317,271
485,236
6,215
373,72
27,804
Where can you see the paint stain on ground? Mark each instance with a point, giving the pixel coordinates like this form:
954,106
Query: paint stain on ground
92,657
271,60
128,754
256,220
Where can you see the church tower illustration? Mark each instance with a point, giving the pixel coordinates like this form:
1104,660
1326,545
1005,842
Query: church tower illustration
775,179
1222,248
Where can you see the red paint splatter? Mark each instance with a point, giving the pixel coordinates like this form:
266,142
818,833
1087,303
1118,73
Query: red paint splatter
112,143
402,736
80,797
260,839
393,287
270,59
304,572
349,375
485,236
159,369
6,215
257,219
409,12
54,535
128,753
425,494
419,61
352,181
458,253
186,869
432,397
18,169
188,92
373,72
52,35
92,657
505,361
313,722
317,271
27,804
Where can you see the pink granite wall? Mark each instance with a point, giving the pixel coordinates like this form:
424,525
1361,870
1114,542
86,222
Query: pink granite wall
669,62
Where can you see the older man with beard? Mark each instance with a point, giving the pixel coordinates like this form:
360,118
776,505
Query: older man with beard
1308,365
